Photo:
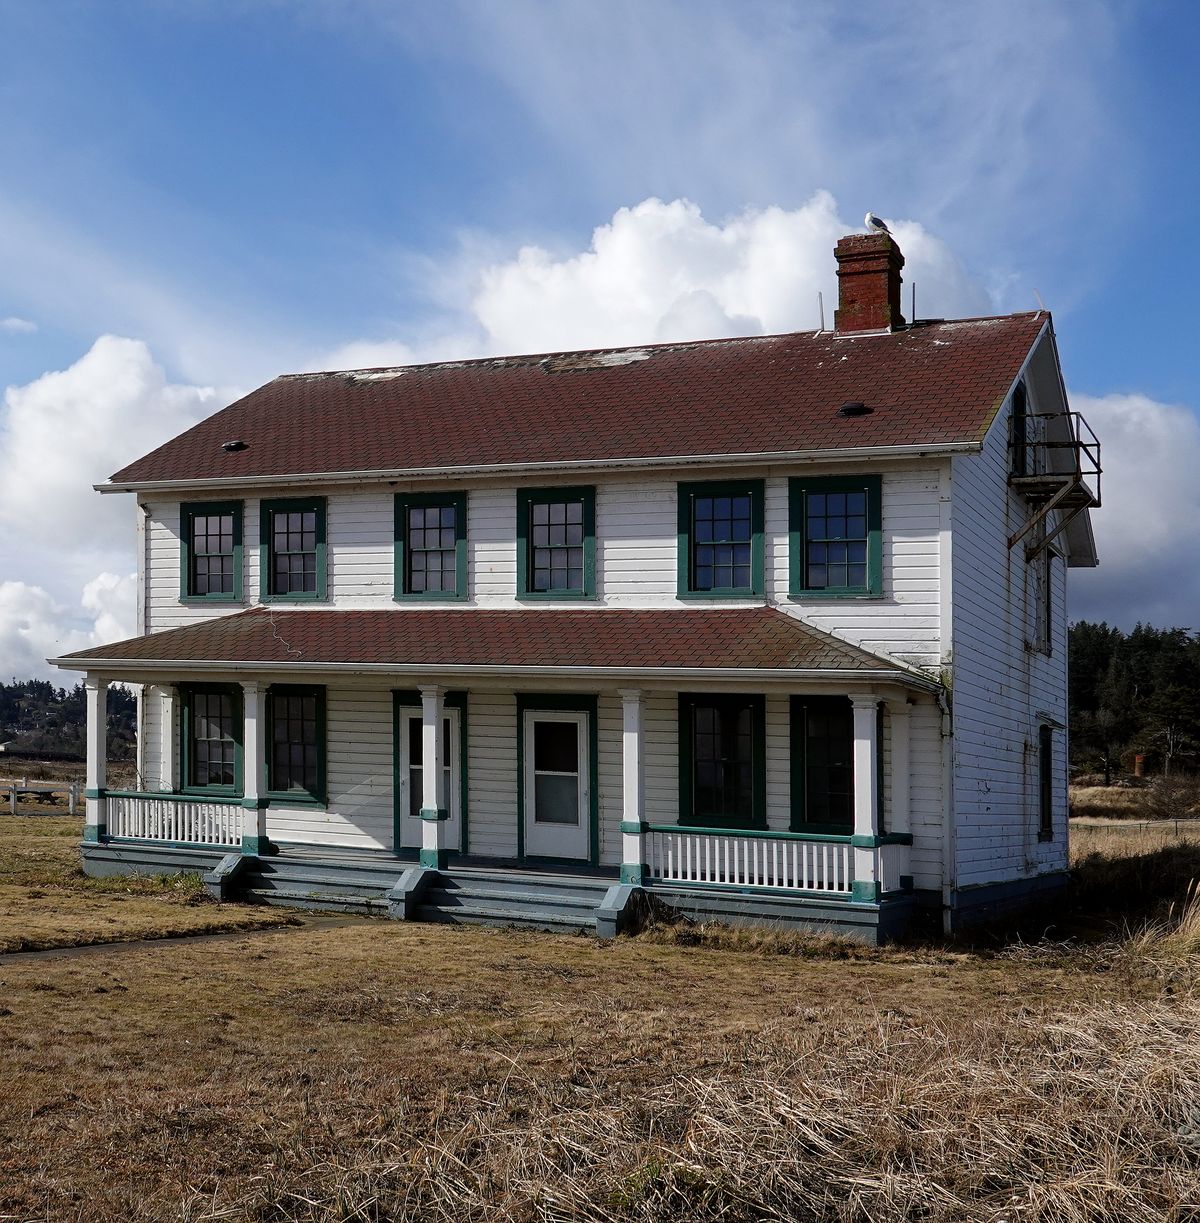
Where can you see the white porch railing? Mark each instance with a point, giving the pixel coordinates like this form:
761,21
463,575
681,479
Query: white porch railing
183,819
788,861
785,861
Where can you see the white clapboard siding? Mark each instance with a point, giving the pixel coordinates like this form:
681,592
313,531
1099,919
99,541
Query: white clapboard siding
358,777
1002,689
636,555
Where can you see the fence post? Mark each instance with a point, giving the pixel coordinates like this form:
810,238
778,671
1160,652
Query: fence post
12,798
72,797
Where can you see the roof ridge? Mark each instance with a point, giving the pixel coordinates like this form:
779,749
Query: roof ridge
524,358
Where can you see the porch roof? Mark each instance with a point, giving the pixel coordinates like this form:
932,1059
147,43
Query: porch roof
612,641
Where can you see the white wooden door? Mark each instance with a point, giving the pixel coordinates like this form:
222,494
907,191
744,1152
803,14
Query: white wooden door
557,785
409,772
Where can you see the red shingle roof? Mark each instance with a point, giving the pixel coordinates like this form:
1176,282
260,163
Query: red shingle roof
928,385
757,638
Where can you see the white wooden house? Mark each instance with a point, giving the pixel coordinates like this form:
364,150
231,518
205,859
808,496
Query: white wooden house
772,629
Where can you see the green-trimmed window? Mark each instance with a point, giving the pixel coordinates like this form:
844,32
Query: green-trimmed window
556,542
296,743
836,537
211,551
292,548
722,761
822,741
212,738
721,539
431,545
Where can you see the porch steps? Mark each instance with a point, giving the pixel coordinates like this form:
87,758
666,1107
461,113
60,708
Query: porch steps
496,898
306,883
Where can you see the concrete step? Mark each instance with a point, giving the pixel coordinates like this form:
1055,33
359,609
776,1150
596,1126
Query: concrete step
315,880
374,906
515,899
538,919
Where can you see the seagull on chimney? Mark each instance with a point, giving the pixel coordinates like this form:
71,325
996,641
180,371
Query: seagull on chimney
875,224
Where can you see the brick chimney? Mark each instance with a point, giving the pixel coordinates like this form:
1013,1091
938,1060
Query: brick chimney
868,284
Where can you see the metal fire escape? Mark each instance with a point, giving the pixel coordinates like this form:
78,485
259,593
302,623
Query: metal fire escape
1055,466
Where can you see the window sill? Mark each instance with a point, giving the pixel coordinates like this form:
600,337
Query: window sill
554,596
320,597
427,596
836,596
274,799
721,596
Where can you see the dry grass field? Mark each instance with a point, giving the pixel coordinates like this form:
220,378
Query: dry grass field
375,1071
47,901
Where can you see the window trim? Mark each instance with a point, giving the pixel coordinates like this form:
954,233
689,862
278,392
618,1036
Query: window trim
188,510
407,501
685,492
552,702
297,798
799,487
1045,782
687,762
186,693
797,741
407,699
527,498
266,550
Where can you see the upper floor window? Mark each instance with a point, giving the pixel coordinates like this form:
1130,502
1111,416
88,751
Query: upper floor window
722,755
721,539
292,548
296,743
836,536
431,545
212,738
211,550
556,542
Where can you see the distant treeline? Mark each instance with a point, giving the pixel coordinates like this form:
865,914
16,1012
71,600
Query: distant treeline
42,720
1134,693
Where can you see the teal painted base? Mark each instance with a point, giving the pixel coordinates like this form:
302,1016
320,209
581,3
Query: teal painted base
435,813
94,833
255,845
434,859
635,873
865,892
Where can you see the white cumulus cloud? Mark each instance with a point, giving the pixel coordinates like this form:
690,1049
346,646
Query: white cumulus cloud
1146,527
17,326
34,625
661,271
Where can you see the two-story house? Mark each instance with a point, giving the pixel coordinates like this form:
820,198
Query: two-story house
771,629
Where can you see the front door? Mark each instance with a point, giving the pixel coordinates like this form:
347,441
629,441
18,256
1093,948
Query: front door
409,773
556,784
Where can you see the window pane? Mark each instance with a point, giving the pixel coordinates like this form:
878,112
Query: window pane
556,800
556,546
723,760
556,747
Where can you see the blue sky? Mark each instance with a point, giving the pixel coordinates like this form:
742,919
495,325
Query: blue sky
242,187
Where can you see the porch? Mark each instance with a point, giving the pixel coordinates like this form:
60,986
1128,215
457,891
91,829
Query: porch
565,796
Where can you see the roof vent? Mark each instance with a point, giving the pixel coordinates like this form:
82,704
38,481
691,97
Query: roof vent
233,446
854,408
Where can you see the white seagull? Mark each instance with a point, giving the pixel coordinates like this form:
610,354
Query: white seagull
875,224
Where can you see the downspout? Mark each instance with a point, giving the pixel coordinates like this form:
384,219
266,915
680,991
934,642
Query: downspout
945,693
140,609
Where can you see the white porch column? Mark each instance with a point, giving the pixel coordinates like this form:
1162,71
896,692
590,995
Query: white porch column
168,736
95,826
434,811
866,884
254,789
633,825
